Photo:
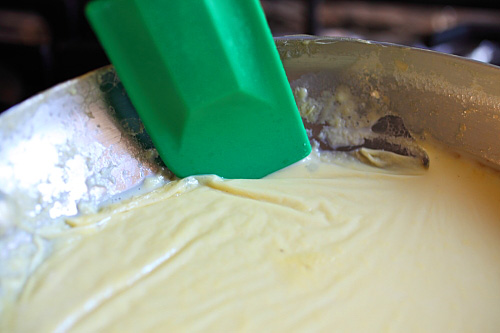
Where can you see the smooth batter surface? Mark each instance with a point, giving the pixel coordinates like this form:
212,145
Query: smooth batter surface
316,247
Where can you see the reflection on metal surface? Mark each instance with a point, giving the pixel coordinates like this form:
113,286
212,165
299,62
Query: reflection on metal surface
67,146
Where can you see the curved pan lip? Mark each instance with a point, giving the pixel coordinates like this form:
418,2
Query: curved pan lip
80,144
332,40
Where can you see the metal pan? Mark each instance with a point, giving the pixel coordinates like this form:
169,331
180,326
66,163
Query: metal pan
81,143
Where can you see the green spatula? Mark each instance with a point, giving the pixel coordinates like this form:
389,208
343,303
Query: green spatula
207,82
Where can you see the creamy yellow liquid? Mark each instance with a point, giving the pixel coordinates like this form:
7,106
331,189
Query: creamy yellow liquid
315,247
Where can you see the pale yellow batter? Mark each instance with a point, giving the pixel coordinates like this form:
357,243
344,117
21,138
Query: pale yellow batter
320,246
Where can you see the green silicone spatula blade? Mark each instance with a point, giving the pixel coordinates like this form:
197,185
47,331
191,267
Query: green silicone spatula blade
207,82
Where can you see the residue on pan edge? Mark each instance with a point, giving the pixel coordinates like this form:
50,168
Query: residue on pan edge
337,121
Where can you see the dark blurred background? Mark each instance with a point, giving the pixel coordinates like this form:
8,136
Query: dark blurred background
43,43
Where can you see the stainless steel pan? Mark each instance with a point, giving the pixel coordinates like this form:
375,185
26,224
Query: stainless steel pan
81,141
